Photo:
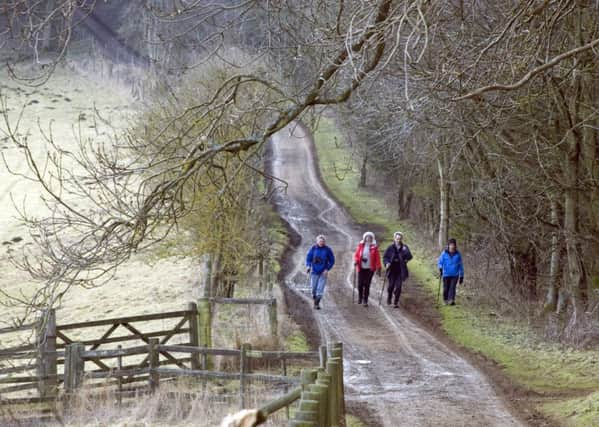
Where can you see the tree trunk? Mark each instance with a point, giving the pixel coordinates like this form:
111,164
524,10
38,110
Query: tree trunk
47,34
555,266
206,276
404,202
576,275
217,267
444,203
523,269
363,171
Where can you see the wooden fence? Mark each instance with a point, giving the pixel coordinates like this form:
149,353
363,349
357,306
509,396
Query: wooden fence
76,356
46,355
64,351
46,358
57,366
320,392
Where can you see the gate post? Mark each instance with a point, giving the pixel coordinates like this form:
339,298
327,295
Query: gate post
205,329
272,318
46,358
194,333
74,366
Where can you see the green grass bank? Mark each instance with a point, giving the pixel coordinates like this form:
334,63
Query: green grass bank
545,368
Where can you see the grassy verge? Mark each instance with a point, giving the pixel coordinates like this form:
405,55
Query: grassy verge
536,365
576,412
351,421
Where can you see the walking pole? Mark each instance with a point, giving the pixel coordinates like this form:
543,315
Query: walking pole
382,289
353,292
439,291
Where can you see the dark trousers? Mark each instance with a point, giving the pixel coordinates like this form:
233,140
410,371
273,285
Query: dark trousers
449,288
364,280
394,287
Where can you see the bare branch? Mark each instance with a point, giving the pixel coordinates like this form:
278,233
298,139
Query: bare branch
528,76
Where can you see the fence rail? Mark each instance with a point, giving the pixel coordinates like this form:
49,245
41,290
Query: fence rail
121,320
20,328
13,351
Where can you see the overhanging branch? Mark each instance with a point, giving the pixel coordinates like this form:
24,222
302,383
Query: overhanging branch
528,76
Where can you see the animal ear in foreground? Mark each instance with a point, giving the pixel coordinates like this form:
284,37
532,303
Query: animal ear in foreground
244,418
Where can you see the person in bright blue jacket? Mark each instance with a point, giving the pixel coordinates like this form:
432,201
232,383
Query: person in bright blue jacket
451,269
319,261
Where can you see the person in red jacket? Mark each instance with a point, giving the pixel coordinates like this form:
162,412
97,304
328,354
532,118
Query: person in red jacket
367,261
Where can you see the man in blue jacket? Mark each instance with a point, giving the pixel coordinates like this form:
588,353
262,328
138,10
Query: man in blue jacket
319,261
451,270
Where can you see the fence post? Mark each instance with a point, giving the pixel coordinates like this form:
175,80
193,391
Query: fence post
46,343
285,387
261,271
74,366
194,336
119,366
154,378
322,353
205,326
320,391
244,368
333,371
272,317
336,351
324,379
268,279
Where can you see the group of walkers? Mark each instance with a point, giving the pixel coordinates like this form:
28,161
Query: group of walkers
367,262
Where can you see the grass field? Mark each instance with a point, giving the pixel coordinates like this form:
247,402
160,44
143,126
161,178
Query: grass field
542,367
64,107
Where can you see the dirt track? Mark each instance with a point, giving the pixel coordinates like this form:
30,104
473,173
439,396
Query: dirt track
400,373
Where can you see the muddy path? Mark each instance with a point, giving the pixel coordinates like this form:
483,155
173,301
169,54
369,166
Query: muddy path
395,371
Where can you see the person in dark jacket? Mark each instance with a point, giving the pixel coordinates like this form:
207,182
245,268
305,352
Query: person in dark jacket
367,261
396,259
319,261
451,269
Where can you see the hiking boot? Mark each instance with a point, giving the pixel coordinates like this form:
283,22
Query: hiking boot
359,302
396,305
446,302
388,300
452,303
365,304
